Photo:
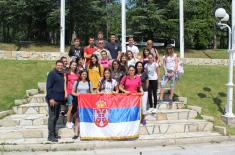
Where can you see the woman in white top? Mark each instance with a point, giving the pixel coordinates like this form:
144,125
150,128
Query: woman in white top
153,72
107,84
131,59
170,65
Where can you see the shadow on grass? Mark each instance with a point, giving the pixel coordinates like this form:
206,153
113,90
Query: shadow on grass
216,99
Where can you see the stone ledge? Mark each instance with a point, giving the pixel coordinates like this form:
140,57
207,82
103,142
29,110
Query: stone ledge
5,113
220,129
92,145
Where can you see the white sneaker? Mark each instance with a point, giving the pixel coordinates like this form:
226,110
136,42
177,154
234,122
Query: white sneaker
155,110
69,125
150,110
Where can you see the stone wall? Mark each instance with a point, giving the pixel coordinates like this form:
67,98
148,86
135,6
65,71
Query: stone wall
23,55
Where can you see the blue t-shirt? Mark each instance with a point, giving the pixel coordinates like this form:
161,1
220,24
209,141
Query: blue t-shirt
113,48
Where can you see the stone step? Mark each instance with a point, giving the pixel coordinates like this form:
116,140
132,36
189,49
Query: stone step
152,128
174,105
39,98
142,138
175,126
25,120
176,114
32,108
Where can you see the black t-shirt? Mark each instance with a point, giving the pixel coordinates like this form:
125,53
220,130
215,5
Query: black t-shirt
76,52
114,49
144,77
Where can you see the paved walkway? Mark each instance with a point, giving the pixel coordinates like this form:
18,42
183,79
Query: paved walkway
226,148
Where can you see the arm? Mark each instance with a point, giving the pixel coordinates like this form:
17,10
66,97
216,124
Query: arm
49,88
65,86
176,64
121,87
158,56
147,84
158,71
164,65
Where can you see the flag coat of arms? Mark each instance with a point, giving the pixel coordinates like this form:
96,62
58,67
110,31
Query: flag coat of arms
108,116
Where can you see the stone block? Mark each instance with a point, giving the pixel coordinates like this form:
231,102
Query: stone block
184,115
161,116
229,120
207,126
32,133
38,122
43,110
192,114
150,117
32,110
143,130
20,102
208,118
42,87
164,128
221,129
172,116
66,133
31,92
11,135
195,108
5,113
26,122
192,127
176,128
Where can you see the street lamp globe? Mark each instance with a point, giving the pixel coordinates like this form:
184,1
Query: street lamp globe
226,18
220,13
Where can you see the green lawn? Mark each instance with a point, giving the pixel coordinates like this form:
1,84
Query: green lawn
204,86
18,76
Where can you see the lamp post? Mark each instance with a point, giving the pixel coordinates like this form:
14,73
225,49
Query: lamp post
224,17
62,25
181,12
123,26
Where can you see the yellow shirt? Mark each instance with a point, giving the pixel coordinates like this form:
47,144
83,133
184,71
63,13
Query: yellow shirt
95,74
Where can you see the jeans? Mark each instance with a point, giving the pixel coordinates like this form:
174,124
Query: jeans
54,113
152,90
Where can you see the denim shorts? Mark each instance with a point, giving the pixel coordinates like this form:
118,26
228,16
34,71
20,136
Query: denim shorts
69,100
165,79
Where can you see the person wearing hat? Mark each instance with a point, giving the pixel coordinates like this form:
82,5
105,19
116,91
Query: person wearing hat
170,64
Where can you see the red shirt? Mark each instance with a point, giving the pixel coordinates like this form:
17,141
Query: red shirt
71,78
88,51
131,85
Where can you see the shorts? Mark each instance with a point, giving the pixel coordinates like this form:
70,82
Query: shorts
165,79
69,100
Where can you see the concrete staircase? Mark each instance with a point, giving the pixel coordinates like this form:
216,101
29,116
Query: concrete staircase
28,124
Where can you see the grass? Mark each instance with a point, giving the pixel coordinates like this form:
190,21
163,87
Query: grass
18,76
189,53
204,86
31,47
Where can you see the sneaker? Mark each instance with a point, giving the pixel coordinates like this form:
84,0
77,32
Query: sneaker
155,110
52,139
75,137
69,125
150,110
143,122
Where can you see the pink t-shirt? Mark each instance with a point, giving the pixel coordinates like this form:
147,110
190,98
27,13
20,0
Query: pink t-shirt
131,84
105,63
71,78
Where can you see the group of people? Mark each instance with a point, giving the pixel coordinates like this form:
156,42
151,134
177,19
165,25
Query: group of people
102,67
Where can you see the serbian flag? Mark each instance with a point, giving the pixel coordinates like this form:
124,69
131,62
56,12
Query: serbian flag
109,116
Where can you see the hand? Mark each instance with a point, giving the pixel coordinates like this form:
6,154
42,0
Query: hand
127,92
51,102
65,95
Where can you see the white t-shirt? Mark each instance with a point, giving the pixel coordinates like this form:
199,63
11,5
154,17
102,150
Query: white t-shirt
108,86
131,62
151,70
134,49
170,62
